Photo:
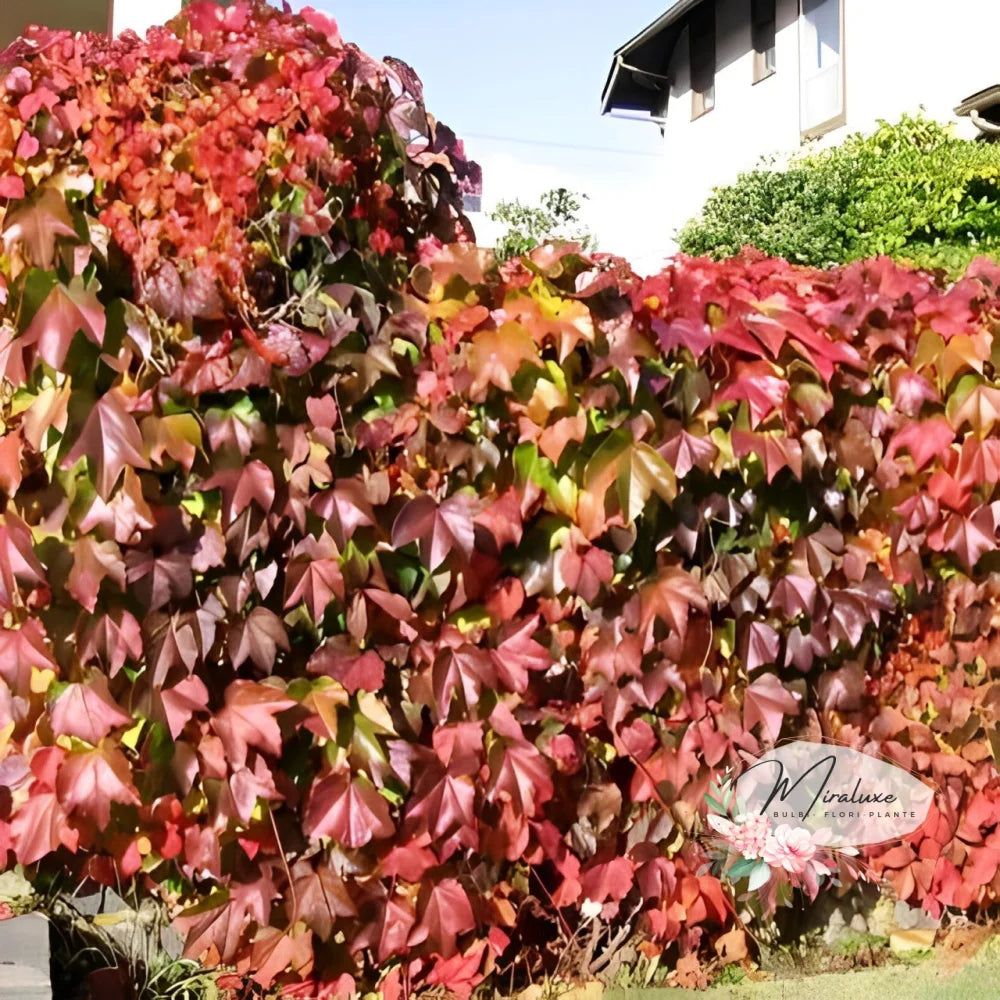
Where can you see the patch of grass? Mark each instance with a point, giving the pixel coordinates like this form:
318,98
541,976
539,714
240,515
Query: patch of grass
730,975
92,960
914,957
859,941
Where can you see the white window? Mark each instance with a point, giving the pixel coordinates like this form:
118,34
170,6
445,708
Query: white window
821,66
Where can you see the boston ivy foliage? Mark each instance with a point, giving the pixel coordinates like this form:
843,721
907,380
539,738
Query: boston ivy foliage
912,190
386,611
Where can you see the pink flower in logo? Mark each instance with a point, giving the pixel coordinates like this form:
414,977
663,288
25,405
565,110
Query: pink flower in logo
789,847
750,834
746,834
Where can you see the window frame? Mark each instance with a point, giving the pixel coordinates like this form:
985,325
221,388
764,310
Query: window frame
763,38
840,119
702,53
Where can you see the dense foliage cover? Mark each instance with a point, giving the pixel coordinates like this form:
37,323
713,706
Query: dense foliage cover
912,190
387,611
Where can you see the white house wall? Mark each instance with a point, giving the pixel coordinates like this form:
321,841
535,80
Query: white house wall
84,15
77,15
899,55
747,119
140,15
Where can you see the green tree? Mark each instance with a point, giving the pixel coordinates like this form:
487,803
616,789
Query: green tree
912,190
556,217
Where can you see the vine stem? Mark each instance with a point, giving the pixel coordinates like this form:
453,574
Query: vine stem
284,862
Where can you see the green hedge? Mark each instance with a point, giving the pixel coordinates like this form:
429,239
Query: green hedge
912,190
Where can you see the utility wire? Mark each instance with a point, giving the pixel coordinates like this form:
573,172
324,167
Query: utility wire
558,145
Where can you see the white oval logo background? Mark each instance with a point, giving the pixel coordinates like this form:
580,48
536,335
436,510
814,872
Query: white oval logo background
845,797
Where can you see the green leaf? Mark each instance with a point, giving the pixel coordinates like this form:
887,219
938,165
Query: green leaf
759,876
715,806
742,867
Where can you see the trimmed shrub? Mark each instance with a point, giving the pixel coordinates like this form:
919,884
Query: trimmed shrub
912,190
387,612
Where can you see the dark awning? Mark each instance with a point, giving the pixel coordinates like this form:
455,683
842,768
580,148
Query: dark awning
983,108
638,78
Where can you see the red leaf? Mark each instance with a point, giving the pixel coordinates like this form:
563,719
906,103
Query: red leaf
466,669
247,720
351,812
410,861
518,654
447,807
89,782
502,519
762,646
224,925
67,309
181,701
314,575
319,897
11,452
37,224
11,186
968,537
585,568
113,642
762,390
794,595
684,451
767,701
447,914
258,638
607,878
18,563
158,579
20,650
520,775
87,711
459,974
775,450
394,929
251,483
356,671
94,561
110,439
440,528
40,826
924,440
274,951
670,597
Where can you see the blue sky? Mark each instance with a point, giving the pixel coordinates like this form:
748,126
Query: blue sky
520,81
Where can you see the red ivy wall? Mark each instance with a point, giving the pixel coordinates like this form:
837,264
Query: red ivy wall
377,607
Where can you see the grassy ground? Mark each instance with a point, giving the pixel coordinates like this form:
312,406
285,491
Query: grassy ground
941,976
977,981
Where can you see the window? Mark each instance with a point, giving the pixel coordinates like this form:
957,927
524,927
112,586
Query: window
702,53
821,66
762,32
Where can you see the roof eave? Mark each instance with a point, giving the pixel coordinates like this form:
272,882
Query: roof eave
981,100
623,64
